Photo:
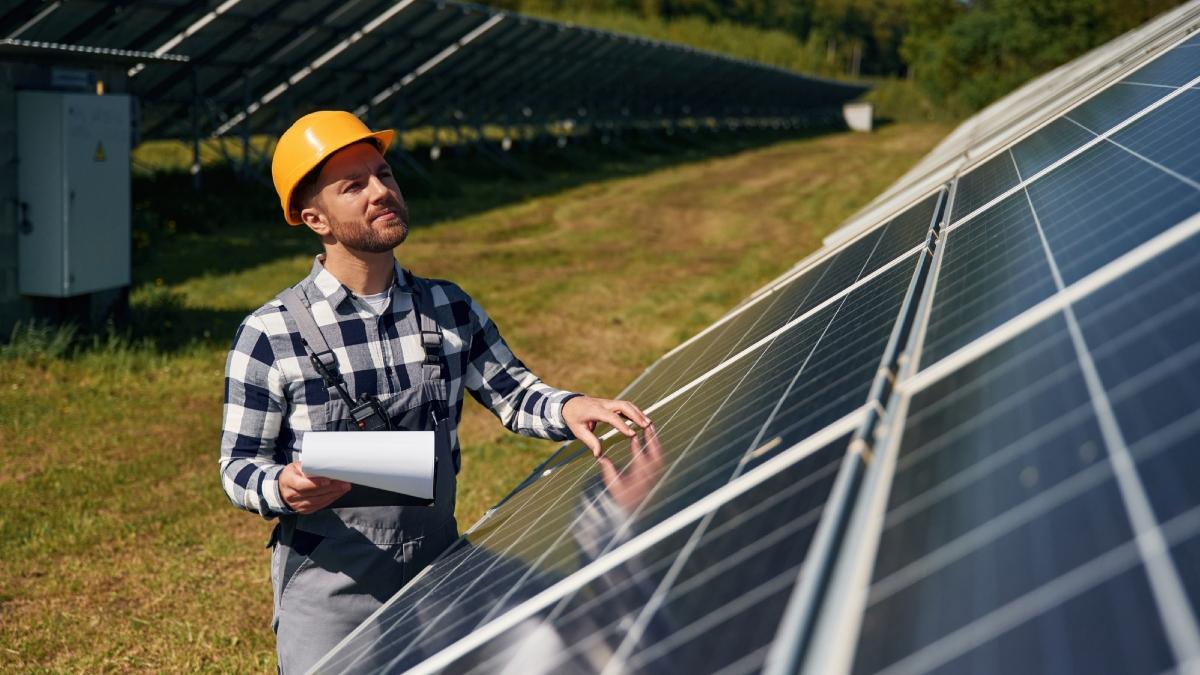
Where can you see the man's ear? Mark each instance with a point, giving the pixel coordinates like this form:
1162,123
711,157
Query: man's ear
315,220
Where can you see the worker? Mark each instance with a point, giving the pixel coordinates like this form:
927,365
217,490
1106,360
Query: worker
362,342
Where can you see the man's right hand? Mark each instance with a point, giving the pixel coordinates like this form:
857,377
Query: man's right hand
306,494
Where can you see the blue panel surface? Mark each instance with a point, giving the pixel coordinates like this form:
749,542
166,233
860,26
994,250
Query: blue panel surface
1006,488
1169,135
1173,68
1004,491
1049,144
993,268
706,598
1103,203
983,183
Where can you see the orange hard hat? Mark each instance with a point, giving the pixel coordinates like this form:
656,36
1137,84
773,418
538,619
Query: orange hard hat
308,142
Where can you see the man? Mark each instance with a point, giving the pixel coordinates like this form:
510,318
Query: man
357,343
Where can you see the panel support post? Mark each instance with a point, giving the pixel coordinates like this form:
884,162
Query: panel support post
195,169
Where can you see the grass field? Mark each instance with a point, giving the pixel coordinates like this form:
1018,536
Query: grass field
118,550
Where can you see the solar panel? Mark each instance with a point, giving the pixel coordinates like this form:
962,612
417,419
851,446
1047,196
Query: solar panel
638,566
724,580
1033,464
1007,486
257,65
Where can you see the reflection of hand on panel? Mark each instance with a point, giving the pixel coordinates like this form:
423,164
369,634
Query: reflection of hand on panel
630,487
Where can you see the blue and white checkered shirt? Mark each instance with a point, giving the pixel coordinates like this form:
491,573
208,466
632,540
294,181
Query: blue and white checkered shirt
268,398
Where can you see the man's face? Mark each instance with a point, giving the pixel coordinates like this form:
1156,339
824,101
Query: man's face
360,200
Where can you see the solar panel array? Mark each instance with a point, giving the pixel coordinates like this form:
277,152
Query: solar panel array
254,66
962,437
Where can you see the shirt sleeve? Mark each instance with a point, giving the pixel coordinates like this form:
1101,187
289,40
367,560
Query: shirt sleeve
254,407
501,383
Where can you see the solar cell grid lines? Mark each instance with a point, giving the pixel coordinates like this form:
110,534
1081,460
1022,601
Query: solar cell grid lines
1055,140
1175,68
1086,213
992,269
995,495
807,288
1015,475
716,595
984,183
1167,136
362,651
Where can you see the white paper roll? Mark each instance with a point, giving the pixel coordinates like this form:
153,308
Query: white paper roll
399,461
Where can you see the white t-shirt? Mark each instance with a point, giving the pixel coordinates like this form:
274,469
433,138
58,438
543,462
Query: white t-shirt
377,301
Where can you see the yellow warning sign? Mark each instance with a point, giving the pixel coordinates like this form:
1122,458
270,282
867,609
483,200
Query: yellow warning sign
100,152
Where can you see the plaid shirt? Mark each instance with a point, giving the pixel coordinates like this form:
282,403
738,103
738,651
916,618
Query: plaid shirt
268,399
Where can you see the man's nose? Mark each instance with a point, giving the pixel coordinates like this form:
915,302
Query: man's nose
376,190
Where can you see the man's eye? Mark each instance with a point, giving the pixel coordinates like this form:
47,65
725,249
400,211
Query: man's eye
385,174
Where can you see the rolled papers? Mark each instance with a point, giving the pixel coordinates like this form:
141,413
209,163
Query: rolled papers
399,461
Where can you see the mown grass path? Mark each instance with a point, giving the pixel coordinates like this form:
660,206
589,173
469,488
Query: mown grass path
118,550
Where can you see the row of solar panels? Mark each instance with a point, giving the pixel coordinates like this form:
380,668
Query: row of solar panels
964,440
256,65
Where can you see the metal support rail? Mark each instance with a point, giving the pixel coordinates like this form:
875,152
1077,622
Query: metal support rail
796,628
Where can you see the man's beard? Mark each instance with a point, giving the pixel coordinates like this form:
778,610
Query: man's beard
358,235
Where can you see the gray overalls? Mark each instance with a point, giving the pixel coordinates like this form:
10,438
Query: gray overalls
332,569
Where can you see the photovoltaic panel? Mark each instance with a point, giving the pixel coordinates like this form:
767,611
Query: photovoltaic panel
1055,140
794,298
1114,105
1104,202
983,183
1169,135
730,587
1099,114
1174,68
1007,487
1091,209
256,65
810,375
1144,333
993,269
717,344
904,232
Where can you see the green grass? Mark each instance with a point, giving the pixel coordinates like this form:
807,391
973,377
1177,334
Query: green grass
118,549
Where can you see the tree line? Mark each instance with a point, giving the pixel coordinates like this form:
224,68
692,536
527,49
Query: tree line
962,54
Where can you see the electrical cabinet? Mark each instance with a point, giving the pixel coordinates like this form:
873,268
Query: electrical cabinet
73,208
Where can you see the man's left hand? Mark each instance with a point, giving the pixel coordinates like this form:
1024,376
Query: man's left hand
583,413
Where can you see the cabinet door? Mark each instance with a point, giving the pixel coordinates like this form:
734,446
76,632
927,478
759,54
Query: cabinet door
97,192
41,224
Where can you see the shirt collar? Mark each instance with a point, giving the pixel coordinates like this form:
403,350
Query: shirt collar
335,292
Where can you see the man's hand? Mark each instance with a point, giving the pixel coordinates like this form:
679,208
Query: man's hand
629,488
583,413
306,494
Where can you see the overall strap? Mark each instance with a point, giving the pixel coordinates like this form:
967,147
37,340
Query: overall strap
434,366
319,353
